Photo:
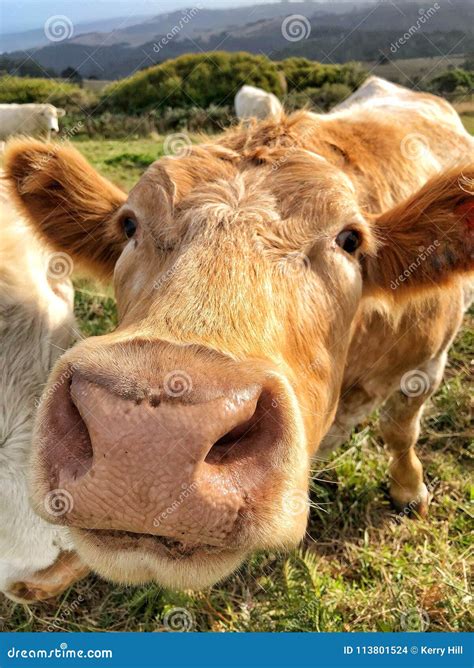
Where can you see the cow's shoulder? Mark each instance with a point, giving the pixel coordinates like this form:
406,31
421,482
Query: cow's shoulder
389,101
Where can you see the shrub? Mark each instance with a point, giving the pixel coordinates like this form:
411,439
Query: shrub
192,80
302,73
452,81
23,90
115,126
322,99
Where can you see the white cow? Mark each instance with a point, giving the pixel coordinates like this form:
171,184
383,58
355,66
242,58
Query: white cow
36,323
251,102
36,120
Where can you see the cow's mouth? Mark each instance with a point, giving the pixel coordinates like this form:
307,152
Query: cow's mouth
160,546
132,558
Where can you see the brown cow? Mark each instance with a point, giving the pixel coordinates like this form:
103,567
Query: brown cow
273,287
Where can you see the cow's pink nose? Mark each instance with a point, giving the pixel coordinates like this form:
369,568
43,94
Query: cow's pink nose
170,465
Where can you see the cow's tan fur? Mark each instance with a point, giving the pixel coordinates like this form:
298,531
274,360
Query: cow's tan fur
219,229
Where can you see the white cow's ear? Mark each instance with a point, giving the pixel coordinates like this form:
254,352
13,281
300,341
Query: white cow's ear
67,201
61,112
426,241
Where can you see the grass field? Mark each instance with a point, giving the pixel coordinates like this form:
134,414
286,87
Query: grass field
359,569
409,71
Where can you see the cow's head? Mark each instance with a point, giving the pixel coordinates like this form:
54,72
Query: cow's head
182,441
49,117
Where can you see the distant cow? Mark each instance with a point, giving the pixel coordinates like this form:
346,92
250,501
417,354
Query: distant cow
36,120
274,287
36,323
251,102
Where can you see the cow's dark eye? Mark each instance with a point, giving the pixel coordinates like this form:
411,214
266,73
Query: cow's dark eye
129,227
349,240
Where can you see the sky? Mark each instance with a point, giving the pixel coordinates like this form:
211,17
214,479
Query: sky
21,15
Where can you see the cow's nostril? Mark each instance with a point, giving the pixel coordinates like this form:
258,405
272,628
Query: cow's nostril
74,458
234,436
239,441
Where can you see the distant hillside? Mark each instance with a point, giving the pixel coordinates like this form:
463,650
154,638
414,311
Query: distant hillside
37,38
331,33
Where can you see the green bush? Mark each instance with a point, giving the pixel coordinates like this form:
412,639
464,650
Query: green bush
193,80
202,80
302,73
115,126
320,99
452,81
23,90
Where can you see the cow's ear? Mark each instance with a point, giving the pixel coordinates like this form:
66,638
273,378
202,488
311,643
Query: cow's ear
61,112
426,241
67,201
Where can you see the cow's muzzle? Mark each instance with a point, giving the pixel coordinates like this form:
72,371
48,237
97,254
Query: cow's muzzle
176,462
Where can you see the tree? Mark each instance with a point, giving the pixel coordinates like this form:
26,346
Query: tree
72,75
453,80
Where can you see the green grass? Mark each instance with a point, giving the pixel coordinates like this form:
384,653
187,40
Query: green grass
120,160
359,569
468,120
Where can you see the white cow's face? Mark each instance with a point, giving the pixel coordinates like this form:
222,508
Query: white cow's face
49,118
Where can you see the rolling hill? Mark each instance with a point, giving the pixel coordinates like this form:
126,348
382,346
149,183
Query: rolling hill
328,32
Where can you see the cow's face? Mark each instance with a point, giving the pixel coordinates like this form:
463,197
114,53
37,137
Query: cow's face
182,441
49,117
